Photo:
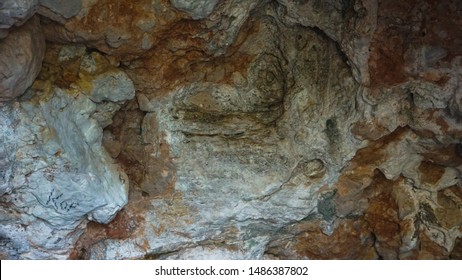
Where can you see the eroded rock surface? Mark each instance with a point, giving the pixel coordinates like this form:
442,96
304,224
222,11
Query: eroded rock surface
15,12
55,174
246,130
21,59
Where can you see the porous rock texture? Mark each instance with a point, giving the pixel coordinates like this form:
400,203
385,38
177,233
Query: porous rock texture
234,129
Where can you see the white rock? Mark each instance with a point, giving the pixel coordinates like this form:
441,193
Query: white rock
198,9
55,146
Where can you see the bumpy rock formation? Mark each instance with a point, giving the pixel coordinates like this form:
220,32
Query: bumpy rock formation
232,129
55,172
22,53
15,13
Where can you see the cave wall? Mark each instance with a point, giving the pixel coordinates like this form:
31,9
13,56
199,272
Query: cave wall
230,129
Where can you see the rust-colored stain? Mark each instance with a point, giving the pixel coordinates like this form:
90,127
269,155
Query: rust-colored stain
376,234
382,216
350,240
427,250
449,212
178,59
357,175
430,173
444,156
123,226
403,24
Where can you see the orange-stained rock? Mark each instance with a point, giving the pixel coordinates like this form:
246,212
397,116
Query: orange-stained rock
448,211
122,27
350,240
247,129
403,24
382,217
431,173
427,250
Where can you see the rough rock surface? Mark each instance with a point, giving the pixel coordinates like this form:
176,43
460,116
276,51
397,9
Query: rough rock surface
21,59
15,12
55,175
197,9
66,9
246,130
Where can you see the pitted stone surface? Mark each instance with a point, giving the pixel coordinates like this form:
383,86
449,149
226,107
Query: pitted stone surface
243,129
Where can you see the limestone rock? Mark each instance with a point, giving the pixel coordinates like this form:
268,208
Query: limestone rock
240,152
282,135
349,23
3,33
106,83
55,174
21,55
15,13
197,9
246,130
127,29
66,9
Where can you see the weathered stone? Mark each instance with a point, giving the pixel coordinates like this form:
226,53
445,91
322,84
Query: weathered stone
16,12
21,55
102,82
350,23
247,130
404,32
350,240
3,33
125,29
66,9
53,164
197,9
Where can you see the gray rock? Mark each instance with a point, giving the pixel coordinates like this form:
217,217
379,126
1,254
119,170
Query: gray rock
115,38
254,144
112,86
198,9
64,8
21,55
16,12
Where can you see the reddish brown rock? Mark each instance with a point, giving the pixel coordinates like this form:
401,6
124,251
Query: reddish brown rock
427,250
456,253
278,129
382,217
350,240
403,24
127,25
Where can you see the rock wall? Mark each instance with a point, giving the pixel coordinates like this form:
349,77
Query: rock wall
231,129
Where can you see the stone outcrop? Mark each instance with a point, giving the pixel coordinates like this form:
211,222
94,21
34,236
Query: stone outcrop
21,59
15,13
235,129
55,175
